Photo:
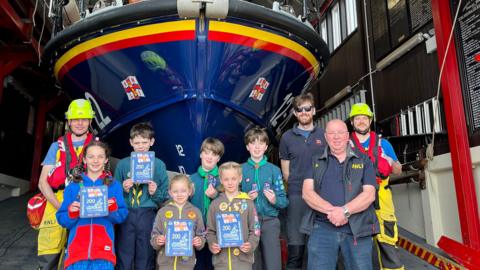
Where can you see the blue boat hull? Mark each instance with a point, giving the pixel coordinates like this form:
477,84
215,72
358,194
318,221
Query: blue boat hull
191,79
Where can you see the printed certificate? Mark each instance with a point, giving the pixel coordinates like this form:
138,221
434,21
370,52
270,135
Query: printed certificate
93,201
142,166
179,238
229,229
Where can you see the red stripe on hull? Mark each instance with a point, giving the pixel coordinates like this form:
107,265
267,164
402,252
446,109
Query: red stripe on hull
126,43
267,46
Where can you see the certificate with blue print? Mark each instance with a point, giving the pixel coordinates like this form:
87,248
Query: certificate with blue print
212,180
142,165
179,238
229,229
93,201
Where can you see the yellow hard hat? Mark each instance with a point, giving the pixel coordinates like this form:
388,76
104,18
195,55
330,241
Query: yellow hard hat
79,109
360,109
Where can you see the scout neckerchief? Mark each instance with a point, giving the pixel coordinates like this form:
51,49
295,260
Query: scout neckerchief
137,192
204,174
257,166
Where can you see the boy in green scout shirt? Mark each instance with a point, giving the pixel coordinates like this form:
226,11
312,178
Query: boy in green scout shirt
263,182
133,236
206,185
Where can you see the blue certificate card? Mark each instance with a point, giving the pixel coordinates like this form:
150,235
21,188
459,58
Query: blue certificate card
93,201
211,180
142,166
229,229
179,238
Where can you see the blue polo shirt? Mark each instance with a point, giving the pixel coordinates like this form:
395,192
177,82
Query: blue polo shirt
299,150
387,148
51,157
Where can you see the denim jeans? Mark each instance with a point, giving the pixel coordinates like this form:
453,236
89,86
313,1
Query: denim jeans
324,244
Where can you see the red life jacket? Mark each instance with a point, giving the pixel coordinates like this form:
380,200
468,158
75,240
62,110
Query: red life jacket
68,160
382,167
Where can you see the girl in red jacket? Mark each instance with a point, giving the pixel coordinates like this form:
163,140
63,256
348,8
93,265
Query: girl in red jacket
91,240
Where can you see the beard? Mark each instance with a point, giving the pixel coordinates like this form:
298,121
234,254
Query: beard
363,132
305,120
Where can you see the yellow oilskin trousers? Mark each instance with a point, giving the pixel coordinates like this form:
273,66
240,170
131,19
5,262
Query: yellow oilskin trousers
51,237
387,239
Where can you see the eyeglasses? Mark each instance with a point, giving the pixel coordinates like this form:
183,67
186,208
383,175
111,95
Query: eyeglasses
303,109
337,133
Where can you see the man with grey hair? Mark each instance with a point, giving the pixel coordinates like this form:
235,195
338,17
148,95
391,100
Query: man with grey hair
340,191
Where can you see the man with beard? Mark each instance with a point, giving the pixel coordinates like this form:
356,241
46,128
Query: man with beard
297,146
62,156
385,161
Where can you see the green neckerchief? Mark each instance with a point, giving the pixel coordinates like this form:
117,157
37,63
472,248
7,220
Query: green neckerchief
204,174
257,166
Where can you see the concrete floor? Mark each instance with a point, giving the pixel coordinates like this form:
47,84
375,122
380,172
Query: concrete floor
18,239
412,262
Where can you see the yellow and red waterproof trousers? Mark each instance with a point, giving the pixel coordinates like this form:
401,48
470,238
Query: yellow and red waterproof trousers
51,238
386,240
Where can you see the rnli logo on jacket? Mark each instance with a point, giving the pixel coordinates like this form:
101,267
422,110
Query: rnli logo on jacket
259,89
357,166
132,88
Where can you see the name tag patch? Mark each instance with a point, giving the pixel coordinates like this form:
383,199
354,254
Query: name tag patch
357,166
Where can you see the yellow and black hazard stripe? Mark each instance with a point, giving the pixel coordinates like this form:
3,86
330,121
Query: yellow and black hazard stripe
434,259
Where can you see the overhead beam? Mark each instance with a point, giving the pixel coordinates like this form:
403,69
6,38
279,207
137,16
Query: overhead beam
325,6
22,28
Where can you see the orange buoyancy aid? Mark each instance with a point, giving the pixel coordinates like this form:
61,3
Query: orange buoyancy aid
68,160
374,152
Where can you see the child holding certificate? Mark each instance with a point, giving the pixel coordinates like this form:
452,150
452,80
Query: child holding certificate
178,227
233,228
92,204
207,186
264,184
145,184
